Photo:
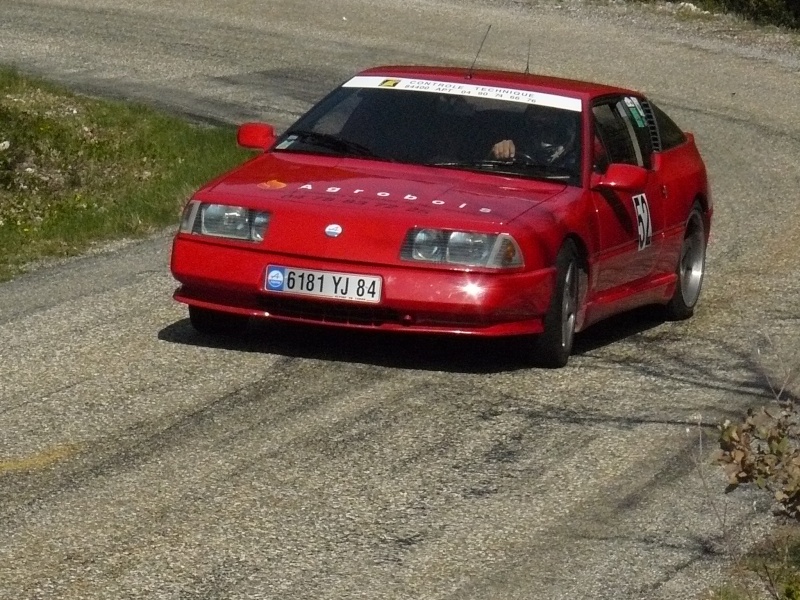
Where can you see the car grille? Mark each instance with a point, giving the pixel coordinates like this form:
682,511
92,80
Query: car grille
328,312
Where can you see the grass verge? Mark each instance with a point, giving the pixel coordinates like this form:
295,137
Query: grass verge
75,171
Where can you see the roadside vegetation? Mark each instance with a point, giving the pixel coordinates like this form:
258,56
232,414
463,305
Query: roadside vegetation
77,171
784,13
774,12
763,451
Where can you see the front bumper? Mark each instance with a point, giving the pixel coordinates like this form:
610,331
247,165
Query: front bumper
230,278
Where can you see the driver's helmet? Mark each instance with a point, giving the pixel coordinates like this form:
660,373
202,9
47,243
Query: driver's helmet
553,132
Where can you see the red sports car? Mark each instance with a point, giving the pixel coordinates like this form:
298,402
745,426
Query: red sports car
444,200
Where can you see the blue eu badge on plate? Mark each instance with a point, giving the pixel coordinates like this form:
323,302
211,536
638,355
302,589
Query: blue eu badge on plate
275,278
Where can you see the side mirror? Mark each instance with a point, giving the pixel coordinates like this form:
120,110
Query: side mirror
619,176
258,136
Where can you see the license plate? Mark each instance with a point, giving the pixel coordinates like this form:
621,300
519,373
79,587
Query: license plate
323,284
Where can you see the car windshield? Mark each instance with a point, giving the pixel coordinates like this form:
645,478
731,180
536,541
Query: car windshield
447,125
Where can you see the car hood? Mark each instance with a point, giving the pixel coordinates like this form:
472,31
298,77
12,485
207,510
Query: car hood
374,203
350,184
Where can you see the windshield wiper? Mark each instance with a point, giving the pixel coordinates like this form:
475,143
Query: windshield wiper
513,167
329,141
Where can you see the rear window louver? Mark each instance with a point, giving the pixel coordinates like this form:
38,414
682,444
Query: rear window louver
652,126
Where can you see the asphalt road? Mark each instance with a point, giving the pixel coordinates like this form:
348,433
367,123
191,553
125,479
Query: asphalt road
139,459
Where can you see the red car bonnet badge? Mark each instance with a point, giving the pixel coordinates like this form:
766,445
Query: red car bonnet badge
333,230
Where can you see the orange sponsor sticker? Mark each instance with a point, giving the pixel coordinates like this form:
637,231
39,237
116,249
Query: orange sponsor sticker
272,184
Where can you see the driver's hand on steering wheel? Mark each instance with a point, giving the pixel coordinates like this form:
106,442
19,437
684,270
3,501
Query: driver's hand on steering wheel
504,150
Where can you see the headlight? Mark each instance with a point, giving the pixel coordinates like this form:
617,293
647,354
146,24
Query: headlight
223,220
428,244
468,248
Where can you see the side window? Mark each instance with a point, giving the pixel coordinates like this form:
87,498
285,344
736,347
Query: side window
635,115
622,132
613,134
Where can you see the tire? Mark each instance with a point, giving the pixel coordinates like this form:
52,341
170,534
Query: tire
553,347
213,322
690,269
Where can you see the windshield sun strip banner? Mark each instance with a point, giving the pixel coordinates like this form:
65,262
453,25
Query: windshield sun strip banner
466,89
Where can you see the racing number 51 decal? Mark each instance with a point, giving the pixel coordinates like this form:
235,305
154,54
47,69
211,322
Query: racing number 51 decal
642,209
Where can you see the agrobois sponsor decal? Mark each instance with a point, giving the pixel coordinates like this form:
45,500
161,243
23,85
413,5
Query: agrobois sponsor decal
322,191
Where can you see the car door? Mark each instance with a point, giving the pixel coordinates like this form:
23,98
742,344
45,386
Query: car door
629,221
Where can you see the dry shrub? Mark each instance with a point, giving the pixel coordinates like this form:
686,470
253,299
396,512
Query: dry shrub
765,449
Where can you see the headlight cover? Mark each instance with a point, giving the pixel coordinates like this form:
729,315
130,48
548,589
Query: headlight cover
466,248
225,221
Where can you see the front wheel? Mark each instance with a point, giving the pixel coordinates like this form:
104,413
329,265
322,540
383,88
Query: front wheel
690,269
554,345
214,322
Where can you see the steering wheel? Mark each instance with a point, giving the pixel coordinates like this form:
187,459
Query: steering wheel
524,158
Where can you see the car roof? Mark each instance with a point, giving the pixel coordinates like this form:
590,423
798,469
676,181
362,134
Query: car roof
541,83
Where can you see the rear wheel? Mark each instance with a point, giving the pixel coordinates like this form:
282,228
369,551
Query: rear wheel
214,322
690,269
554,345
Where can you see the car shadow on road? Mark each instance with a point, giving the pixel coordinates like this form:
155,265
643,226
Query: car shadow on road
467,354
618,328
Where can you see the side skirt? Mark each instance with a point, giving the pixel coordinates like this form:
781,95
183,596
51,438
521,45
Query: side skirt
657,290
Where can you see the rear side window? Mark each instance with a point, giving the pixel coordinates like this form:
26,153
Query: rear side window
671,135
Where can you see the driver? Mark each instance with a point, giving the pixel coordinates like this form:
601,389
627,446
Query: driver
546,137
